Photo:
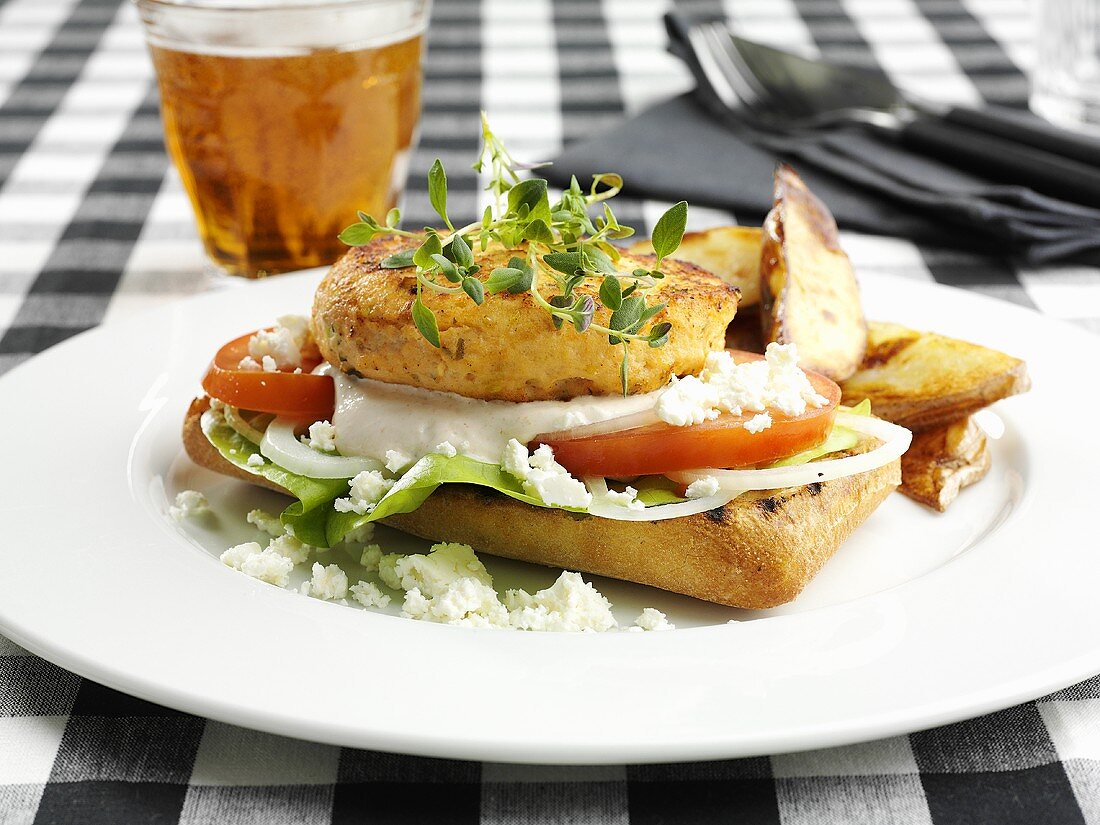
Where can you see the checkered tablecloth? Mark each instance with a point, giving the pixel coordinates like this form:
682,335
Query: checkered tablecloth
94,226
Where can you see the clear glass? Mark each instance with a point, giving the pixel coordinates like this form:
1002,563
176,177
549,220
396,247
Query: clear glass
284,119
1065,86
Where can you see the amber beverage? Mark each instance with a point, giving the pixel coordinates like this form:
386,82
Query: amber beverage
278,145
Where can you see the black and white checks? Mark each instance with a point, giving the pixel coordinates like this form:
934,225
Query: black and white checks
94,226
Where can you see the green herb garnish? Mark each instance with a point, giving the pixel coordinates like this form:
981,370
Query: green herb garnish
565,246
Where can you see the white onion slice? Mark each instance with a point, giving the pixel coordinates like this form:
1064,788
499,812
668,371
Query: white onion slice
282,446
660,512
642,418
237,422
895,440
597,486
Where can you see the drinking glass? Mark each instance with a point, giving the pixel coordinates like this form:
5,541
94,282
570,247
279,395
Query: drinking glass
1065,87
285,118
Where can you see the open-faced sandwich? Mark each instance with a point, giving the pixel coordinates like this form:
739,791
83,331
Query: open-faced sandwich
524,386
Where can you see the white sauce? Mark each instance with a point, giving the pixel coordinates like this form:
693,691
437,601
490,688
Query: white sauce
373,417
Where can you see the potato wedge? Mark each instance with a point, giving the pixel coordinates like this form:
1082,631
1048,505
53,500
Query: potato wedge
923,379
807,287
730,252
943,460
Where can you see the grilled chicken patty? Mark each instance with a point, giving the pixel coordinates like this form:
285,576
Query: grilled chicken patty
507,348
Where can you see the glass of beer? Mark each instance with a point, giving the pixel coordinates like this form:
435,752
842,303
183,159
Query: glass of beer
285,118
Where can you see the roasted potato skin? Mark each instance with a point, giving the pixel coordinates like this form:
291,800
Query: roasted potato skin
756,552
922,379
808,290
942,461
730,252
507,348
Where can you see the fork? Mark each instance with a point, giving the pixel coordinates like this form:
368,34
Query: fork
790,96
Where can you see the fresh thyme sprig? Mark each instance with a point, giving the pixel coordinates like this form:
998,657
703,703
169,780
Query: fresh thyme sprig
565,246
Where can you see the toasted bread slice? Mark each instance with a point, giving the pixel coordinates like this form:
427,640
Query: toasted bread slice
943,460
923,379
730,252
756,552
808,289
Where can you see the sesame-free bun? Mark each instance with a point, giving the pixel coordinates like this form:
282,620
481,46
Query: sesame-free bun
507,348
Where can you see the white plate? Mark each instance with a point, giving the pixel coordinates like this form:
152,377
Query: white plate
920,619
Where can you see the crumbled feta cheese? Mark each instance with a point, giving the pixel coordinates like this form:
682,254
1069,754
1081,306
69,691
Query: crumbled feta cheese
543,477
360,535
543,458
255,460
268,567
465,601
653,619
265,565
773,383
628,498
443,565
446,449
687,401
371,556
703,488
758,423
387,570
416,606
518,599
369,594
249,364
322,436
570,604
277,343
235,556
449,584
189,504
397,461
516,460
267,522
367,489
269,364
298,328
328,582
290,548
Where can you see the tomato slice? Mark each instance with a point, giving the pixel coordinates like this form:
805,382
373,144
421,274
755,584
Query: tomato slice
721,443
301,396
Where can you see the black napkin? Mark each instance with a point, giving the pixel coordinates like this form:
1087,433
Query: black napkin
680,150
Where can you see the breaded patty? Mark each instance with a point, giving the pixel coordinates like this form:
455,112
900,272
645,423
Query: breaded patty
507,348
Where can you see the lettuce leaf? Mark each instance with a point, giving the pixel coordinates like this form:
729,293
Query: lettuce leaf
309,515
654,490
421,480
840,439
